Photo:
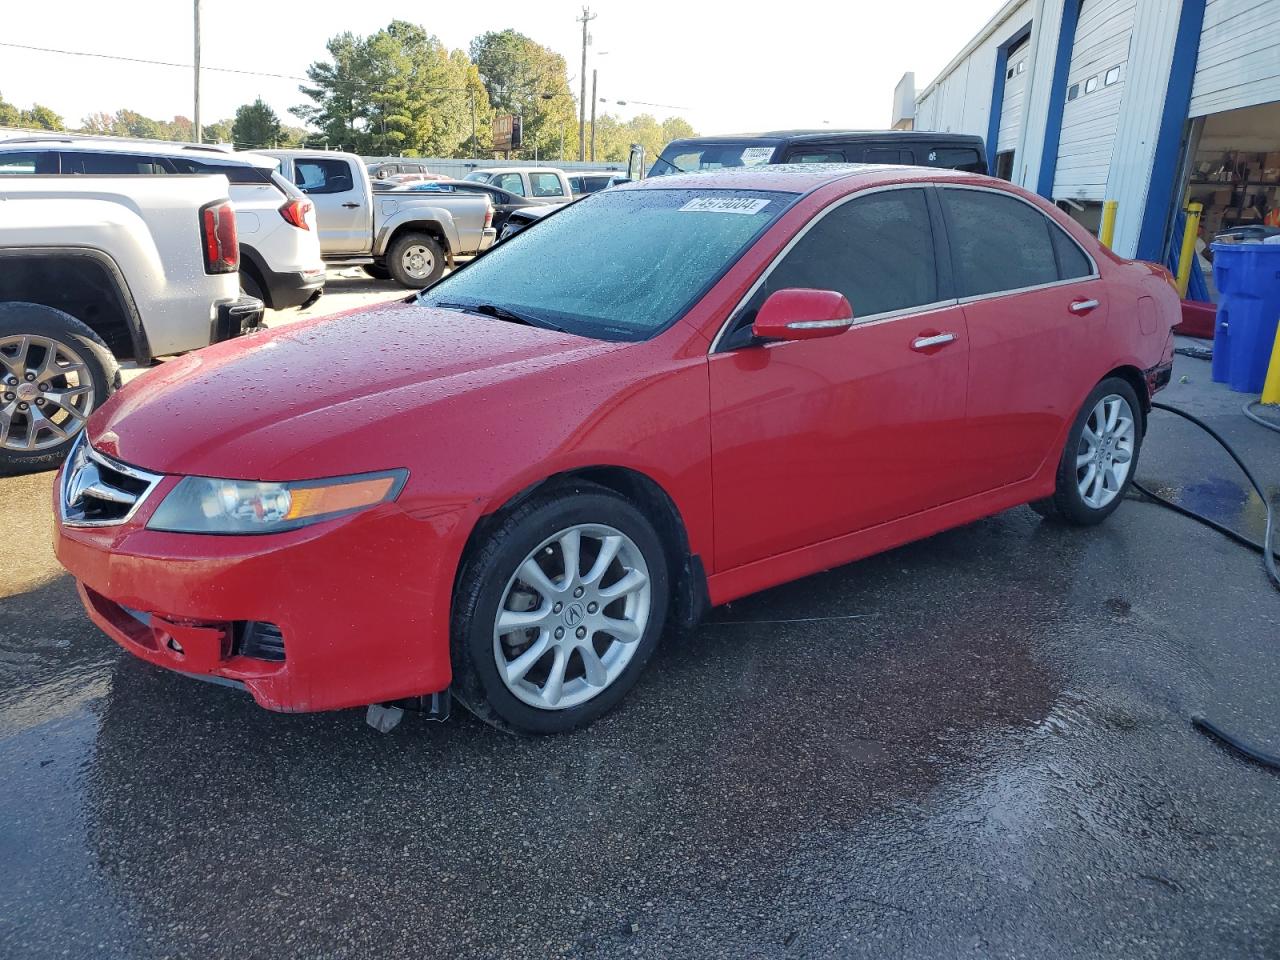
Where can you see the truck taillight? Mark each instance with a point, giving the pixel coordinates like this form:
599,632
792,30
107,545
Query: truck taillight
295,212
218,230
488,218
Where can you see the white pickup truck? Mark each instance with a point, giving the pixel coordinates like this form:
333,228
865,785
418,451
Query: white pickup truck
408,237
94,270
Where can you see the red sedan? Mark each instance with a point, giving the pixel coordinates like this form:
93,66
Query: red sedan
663,397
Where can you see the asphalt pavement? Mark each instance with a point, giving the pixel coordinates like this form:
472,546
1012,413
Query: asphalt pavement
977,745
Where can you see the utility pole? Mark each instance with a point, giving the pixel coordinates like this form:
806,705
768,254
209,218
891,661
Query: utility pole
196,119
473,123
593,115
586,18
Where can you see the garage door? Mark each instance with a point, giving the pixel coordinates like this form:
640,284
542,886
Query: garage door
1015,88
1095,87
1238,64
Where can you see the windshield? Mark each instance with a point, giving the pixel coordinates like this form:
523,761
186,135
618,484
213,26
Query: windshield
617,265
690,156
477,177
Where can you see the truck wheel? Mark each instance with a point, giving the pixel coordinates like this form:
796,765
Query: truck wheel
377,271
415,260
54,372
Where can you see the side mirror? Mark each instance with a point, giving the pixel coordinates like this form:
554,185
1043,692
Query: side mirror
803,314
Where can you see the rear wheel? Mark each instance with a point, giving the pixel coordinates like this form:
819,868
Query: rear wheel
54,371
1100,456
415,260
558,612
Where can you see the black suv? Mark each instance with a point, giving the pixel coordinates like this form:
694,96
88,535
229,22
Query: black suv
915,148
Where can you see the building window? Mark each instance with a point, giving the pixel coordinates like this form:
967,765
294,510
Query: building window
1009,75
1022,67
1091,85
1073,92
1113,76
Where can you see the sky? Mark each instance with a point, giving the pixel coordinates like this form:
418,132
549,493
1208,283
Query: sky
731,67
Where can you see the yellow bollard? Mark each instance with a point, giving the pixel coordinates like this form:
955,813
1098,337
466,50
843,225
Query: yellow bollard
1188,247
1108,231
1271,386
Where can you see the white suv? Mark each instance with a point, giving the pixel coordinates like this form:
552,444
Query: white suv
279,245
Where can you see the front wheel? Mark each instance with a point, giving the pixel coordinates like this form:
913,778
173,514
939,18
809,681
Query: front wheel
1099,458
557,613
415,260
54,371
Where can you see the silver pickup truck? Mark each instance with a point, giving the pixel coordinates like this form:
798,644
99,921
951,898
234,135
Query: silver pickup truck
408,237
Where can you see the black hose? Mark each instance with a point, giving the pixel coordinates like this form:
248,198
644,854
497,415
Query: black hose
1261,421
1268,552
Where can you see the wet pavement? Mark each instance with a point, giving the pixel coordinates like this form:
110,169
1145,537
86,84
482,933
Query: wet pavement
977,745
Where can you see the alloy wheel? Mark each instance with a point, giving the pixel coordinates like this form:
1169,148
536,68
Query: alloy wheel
571,616
418,261
1105,453
46,393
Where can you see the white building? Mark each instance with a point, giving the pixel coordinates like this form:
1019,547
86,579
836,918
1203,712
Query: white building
1151,103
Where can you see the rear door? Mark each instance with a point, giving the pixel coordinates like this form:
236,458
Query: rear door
342,208
1035,308
813,439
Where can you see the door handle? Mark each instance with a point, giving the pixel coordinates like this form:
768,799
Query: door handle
936,340
350,206
1082,306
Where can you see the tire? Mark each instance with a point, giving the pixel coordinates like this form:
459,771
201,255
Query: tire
377,271
1089,490
492,583
57,405
401,260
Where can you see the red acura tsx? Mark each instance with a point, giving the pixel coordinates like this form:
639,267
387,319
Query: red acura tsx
660,398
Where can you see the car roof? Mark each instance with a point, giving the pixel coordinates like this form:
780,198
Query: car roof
205,153
826,133
793,177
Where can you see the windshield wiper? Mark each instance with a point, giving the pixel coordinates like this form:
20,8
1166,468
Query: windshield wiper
502,313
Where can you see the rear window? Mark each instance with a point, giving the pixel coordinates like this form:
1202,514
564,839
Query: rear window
692,157
955,158
235,173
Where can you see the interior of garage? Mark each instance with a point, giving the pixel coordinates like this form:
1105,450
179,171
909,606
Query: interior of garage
1234,172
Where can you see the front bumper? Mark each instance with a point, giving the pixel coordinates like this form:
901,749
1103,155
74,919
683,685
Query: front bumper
362,602
236,317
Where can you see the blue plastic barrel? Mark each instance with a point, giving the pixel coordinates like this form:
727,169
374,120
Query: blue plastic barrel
1247,276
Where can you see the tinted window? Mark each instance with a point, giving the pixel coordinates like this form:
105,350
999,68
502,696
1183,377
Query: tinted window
510,181
998,242
111,164
816,156
36,161
619,265
956,158
234,173
876,250
886,155
317,175
545,185
575,184
1072,262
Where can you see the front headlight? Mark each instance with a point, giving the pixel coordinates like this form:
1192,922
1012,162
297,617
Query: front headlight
207,505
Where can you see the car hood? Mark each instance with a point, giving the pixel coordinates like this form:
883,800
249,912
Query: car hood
315,398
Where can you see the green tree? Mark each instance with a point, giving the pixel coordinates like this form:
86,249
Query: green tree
218,131
256,125
396,91
8,113
523,77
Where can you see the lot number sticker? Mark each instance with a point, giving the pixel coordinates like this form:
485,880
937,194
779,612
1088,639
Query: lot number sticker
744,205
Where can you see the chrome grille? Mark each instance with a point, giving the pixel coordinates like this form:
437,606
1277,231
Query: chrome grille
97,491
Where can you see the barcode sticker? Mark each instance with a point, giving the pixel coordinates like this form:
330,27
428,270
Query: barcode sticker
743,205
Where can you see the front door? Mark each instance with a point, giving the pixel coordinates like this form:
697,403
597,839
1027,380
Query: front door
815,439
344,219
